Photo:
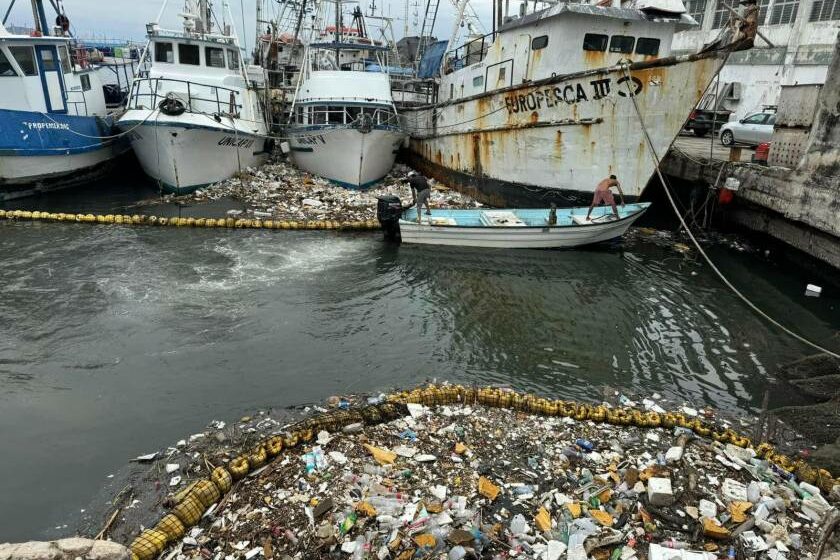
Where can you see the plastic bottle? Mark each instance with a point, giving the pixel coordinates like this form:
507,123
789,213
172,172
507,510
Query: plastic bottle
675,544
585,444
812,490
348,522
375,470
754,492
359,552
731,554
309,458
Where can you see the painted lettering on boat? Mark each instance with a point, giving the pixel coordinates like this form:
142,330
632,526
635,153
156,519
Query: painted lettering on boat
236,142
570,94
310,140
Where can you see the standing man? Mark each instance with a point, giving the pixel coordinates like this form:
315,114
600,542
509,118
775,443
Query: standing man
603,194
420,190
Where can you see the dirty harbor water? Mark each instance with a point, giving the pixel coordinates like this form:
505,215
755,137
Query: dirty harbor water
115,341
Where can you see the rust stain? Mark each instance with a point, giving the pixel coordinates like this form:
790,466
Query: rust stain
439,157
535,117
594,59
476,149
558,145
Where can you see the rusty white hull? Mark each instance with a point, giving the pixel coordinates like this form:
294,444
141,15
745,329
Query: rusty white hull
553,140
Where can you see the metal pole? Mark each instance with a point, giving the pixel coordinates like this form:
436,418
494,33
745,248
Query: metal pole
12,5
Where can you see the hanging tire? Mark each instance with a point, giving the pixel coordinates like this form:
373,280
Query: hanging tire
727,138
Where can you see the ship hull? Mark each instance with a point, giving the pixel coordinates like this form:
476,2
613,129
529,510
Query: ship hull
346,156
185,153
553,140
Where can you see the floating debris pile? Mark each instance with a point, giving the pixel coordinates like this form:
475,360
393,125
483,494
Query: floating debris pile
470,481
280,191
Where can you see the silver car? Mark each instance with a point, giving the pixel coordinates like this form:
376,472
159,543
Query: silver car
752,130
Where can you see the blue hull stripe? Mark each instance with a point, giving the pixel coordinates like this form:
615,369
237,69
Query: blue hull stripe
29,133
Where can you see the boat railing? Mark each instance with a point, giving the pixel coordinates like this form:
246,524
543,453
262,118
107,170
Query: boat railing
200,98
471,52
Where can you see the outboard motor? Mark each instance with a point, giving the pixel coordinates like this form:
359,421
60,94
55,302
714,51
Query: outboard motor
388,211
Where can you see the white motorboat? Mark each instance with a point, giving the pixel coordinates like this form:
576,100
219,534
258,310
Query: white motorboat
506,228
55,128
195,115
344,126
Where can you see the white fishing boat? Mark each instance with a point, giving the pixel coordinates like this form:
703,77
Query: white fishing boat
507,228
344,126
195,115
55,128
540,110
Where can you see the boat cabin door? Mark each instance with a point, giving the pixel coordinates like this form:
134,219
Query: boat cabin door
52,80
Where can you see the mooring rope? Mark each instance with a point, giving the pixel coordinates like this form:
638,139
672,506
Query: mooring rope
708,260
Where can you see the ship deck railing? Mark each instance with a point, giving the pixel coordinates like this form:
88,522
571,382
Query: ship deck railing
219,101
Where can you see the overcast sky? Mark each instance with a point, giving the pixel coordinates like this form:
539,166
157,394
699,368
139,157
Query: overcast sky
126,19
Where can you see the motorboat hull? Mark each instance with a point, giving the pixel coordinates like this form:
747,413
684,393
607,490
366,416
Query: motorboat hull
570,232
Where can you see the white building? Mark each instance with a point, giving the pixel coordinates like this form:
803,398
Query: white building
803,33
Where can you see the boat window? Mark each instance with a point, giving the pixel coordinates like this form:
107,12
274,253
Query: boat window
335,115
48,60
25,57
188,54
502,73
85,79
451,91
233,60
164,53
622,44
320,114
540,42
594,42
648,46
6,66
64,57
214,57
352,113
478,81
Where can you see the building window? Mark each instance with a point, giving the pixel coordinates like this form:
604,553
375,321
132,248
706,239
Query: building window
478,81
594,42
784,11
164,53
647,46
233,60
825,10
696,9
85,80
540,42
188,54
6,66
214,57
622,44
64,57
721,14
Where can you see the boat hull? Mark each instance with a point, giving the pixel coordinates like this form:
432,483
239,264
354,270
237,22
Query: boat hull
184,155
41,152
555,139
346,156
526,237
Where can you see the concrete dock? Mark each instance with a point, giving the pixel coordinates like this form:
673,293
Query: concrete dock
795,197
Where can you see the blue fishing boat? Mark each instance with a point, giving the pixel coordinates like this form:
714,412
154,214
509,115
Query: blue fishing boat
507,228
55,128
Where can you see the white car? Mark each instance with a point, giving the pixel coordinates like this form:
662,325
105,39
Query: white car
753,130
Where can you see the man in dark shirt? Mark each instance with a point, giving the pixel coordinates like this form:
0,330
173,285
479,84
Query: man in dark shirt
420,190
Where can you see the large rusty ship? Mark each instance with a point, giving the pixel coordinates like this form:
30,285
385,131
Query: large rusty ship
539,111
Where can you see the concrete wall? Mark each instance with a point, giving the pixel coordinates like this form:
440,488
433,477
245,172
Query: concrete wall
65,549
809,196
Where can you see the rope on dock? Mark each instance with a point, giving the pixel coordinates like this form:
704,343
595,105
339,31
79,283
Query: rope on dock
193,501
231,223
715,269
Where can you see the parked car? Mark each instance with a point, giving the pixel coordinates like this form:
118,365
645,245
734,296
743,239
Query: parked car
700,121
752,130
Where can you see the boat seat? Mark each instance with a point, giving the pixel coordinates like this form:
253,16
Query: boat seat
500,218
582,221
